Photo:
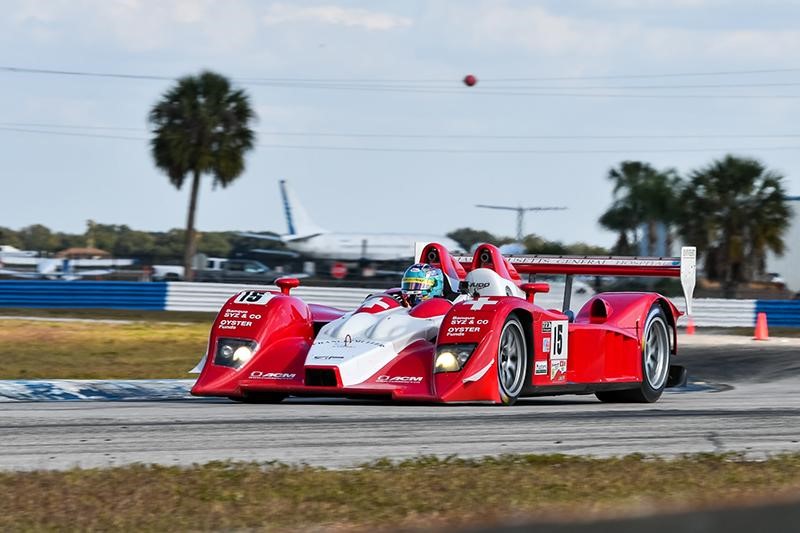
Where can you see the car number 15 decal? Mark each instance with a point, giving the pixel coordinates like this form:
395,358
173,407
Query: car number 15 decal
559,348
253,297
558,339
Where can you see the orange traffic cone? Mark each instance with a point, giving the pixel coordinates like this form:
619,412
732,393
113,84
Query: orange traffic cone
690,327
762,332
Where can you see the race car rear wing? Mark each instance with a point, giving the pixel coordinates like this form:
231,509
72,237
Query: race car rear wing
683,267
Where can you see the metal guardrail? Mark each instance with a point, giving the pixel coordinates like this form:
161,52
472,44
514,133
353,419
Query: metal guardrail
718,312
83,294
209,297
780,312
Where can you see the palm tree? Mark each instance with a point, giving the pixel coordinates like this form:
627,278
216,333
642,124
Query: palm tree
643,196
201,126
618,218
735,210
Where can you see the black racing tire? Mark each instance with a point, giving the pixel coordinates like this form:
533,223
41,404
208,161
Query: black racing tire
654,360
513,370
259,397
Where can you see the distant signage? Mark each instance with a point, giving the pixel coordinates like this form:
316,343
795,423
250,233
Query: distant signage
338,271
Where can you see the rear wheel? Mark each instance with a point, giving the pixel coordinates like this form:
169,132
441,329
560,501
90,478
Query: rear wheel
654,360
512,361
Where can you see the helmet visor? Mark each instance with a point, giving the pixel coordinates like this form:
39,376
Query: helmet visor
416,284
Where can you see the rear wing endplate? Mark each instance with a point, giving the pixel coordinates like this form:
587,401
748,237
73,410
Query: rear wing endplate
683,267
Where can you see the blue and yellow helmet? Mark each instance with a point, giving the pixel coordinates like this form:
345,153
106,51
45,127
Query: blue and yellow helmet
422,281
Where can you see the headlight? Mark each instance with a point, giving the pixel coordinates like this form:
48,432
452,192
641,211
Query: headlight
452,357
234,352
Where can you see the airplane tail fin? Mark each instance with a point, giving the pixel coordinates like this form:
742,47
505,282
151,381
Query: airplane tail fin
298,220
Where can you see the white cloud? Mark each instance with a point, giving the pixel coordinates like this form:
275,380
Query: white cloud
138,25
656,4
335,15
539,30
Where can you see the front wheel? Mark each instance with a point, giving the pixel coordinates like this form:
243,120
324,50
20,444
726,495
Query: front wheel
512,361
654,360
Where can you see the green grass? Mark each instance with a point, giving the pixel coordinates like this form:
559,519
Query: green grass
86,350
113,314
425,492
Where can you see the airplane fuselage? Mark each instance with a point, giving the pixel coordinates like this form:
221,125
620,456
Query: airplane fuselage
355,246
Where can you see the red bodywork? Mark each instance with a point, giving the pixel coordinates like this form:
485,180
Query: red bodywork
604,340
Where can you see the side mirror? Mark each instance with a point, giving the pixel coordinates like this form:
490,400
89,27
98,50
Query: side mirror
463,287
287,284
531,289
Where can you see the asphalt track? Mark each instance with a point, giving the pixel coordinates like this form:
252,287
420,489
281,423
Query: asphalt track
753,407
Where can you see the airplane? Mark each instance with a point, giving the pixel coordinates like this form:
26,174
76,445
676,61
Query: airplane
307,238
12,255
55,269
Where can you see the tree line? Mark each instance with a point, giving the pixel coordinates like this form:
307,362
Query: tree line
149,247
734,210
532,243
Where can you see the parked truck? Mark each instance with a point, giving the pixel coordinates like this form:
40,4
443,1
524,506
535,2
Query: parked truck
220,270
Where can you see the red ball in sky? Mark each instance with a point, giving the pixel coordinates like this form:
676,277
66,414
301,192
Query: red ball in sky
470,80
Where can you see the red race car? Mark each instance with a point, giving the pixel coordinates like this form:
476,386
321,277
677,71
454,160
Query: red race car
483,340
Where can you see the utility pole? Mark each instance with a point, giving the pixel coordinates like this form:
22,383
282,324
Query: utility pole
520,214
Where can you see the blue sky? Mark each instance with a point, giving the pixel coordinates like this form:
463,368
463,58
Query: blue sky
411,56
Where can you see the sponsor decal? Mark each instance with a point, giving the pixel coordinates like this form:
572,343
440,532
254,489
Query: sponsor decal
241,314
237,318
257,374
399,379
348,342
461,325
559,337
476,286
546,344
233,324
467,321
558,370
460,331
328,357
478,304
547,326
589,261
540,368
253,297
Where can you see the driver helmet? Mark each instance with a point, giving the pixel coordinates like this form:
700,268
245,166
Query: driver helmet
422,282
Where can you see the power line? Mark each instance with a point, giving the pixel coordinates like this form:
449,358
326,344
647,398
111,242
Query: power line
73,134
660,75
24,70
528,151
434,150
443,135
68,126
526,137
27,127
491,85
505,92
319,80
